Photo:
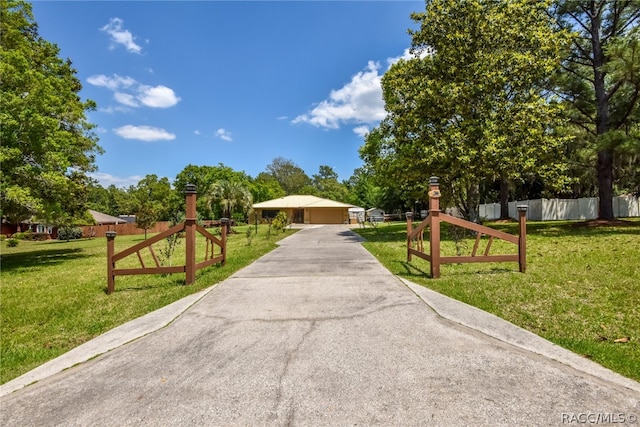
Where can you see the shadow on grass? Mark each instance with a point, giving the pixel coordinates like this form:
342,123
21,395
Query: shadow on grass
40,258
411,269
156,281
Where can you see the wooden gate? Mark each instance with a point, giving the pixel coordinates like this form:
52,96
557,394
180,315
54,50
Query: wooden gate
189,227
433,220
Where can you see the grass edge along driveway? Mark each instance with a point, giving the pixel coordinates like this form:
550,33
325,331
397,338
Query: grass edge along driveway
581,289
53,294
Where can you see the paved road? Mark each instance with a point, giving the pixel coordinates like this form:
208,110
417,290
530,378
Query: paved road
318,333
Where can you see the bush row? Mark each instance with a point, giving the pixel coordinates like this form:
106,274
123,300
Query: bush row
69,233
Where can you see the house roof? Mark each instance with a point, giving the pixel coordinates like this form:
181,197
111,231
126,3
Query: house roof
298,202
103,218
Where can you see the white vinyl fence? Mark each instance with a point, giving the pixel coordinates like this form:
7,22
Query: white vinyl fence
564,209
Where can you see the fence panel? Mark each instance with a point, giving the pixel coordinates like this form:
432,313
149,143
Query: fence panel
564,209
122,229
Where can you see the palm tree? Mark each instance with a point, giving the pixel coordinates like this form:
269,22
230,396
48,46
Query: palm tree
230,194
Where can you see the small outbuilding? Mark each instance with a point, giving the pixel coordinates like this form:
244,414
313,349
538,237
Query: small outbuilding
305,209
356,215
104,219
375,215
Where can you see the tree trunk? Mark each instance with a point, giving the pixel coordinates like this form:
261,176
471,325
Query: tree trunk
604,163
473,203
605,184
504,198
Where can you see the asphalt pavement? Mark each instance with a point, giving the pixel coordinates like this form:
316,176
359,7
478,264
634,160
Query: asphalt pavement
318,332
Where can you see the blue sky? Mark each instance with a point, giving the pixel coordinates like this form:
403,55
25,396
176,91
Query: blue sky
238,83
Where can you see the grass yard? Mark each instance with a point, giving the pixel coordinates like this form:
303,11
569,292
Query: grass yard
581,289
53,294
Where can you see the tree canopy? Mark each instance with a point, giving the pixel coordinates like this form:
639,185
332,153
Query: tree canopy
289,175
600,81
471,106
47,143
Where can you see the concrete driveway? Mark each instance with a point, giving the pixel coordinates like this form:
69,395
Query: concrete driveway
318,333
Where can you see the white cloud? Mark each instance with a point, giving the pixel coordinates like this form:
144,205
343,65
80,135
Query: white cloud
105,179
126,99
157,96
136,94
197,132
361,130
144,133
224,134
121,36
359,101
114,83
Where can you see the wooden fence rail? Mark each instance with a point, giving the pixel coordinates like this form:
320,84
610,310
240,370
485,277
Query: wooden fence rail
433,220
189,227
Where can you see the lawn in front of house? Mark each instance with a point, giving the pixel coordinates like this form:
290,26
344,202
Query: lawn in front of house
53,293
581,289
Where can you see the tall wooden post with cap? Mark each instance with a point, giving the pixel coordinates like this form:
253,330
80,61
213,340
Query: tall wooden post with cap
190,232
522,238
111,280
434,213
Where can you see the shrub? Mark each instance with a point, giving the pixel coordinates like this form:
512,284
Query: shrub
12,243
250,233
30,235
3,237
280,221
69,233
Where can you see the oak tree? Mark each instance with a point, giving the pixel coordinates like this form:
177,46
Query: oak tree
471,106
47,143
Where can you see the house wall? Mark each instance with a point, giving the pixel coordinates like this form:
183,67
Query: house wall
314,215
328,216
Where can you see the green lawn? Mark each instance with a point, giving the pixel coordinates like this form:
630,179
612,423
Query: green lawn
581,289
53,294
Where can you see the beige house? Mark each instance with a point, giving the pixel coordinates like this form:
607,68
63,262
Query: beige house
304,210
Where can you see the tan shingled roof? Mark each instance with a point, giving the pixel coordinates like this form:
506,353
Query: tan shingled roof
103,218
299,202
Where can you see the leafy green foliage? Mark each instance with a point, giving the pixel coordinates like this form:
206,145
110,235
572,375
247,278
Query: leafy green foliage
171,242
327,184
31,236
146,217
600,85
47,143
230,195
69,233
280,221
288,174
470,106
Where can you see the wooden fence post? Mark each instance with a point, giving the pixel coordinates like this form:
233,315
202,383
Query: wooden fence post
223,237
522,238
190,231
434,234
111,282
409,216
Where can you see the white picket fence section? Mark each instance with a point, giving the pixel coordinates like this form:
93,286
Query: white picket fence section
564,209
